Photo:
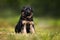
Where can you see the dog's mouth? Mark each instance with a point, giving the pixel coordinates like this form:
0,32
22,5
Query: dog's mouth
27,14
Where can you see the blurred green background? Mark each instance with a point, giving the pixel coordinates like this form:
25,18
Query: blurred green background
46,19
49,8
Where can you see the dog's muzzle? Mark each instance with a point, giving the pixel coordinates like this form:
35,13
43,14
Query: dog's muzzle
27,12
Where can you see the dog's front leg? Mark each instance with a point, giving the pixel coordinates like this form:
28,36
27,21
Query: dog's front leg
31,27
24,27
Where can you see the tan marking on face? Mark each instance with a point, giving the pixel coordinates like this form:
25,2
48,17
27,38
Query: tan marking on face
22,14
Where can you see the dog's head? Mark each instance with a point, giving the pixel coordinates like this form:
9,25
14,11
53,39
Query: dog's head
27,10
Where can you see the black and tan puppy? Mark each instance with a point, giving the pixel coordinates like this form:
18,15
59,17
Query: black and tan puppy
25,24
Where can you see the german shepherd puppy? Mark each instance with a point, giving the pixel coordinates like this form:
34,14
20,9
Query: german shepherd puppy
25,24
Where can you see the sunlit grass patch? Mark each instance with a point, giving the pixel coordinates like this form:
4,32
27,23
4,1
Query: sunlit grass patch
42,34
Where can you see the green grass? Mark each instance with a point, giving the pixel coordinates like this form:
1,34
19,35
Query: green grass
45,29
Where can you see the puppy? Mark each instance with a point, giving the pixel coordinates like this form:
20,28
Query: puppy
25,24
